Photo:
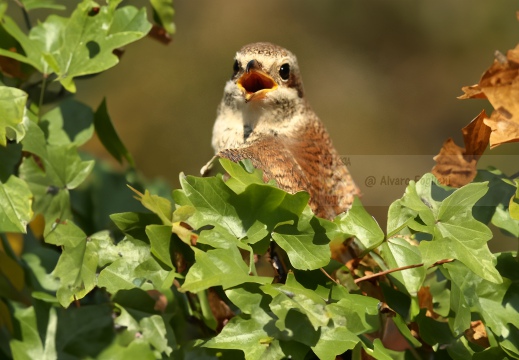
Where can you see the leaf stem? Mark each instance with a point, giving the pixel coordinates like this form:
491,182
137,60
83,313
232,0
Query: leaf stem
25,14
329,276
42,94
382,273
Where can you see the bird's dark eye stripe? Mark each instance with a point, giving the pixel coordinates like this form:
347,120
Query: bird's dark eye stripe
236,67
284,71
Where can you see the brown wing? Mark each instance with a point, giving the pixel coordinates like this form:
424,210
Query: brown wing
306,162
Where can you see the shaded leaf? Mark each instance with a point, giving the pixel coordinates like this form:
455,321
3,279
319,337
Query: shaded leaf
108,135
220,267
164,11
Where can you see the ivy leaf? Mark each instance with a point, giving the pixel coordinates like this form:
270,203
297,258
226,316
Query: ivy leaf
41,4
12,111
398,252
160,238
108,135
79,45
252,336
156,204
307,244
135,268
241,175
30,346
15,205
458,235
359,223
398,217
219,267
293,296
334,341
77,265
212,201
69,122
154,331
494,302
164,11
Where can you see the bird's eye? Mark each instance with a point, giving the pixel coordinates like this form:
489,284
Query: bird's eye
236,67
284,71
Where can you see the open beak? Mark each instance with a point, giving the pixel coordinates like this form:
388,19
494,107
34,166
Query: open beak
255,83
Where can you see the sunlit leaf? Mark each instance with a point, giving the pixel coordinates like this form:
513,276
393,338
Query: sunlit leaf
15,205
12,110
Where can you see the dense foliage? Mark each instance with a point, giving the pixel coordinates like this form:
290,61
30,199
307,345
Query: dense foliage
86,271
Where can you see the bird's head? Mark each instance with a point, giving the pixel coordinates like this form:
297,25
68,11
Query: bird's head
267,73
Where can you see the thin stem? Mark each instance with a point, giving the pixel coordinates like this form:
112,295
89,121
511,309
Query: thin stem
329,276
42,94
382,273
25,15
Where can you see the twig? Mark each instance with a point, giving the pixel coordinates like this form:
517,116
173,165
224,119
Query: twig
382,273
329,276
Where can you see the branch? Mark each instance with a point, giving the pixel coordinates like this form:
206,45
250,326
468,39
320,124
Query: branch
382,273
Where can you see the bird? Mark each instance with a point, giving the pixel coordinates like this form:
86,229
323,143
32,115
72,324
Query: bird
265,117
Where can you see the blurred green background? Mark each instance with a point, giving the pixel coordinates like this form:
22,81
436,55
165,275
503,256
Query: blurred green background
382,75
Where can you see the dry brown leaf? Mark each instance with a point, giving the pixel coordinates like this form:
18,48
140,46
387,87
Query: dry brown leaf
453,167
425,301
472,92
456,166
500,85
477,334
476,136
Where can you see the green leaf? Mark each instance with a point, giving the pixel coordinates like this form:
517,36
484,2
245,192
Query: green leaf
247,297
134,224
108,135
79,45
69,122
293,296
77,265
494,302
359,314
164,11
30,346
213,202
306,250
12,111
154,331
219,267
334,341
15,205
398,217
513,206
134,268
397,253
160,238
458,235
41,4
359,223
240,177
252,336
10,157
157,204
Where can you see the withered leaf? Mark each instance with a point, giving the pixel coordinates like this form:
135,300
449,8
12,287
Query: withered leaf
477,334
476,136
453,167
500,85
